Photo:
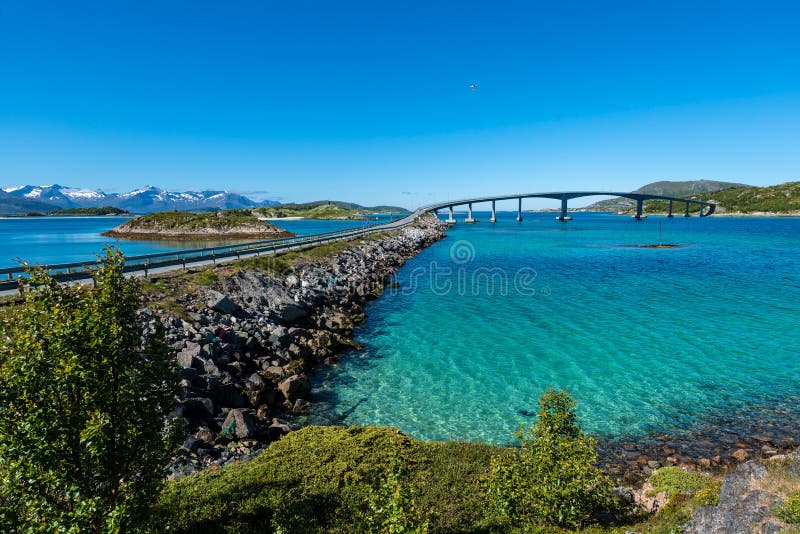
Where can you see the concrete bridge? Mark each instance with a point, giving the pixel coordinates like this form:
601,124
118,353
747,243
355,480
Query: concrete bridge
565,197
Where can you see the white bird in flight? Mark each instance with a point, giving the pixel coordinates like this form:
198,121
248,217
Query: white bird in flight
473,86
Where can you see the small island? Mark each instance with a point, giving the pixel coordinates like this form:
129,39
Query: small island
102,211
180,225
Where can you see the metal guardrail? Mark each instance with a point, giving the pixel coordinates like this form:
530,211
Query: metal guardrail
66,272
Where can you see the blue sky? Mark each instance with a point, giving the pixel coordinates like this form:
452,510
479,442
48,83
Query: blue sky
371,101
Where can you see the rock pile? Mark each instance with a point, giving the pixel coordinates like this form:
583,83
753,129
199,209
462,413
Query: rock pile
244,346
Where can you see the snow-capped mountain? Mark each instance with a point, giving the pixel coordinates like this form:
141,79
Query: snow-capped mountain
63,197
145,200
151,199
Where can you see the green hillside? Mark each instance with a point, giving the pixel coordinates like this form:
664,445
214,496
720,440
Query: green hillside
324,209
344,205
664,188
11,205
781,199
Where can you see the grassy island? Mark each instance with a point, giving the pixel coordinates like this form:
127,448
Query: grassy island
225,224
89,212
325,209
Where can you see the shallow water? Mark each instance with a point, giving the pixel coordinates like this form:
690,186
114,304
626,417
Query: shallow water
648,340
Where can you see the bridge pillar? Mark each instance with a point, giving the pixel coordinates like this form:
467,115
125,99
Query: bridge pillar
494,213
670,210
639,206
686,214
519,209
563,216
450,219
469,218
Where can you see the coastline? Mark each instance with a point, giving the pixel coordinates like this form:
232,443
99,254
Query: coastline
248,342
247,336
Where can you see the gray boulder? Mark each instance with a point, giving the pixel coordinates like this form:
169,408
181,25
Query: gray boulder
295,387
220,303
192,356
282,306
240,423
740,509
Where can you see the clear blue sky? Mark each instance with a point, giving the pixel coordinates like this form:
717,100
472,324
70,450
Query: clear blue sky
371,101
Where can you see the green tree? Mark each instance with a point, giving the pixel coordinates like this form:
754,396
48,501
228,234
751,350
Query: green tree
85,393
550,479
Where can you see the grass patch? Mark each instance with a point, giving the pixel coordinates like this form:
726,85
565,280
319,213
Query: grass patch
322,479
206,277
674,480
687,491
783,476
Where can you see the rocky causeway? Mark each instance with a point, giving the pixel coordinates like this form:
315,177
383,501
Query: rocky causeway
246,344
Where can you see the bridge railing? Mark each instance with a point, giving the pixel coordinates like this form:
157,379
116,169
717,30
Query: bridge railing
147,262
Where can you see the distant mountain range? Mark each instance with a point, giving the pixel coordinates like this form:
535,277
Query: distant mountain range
45,199
663,188
19,200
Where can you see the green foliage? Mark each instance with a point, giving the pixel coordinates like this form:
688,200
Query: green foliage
323,479
83,443
709,495
789,511
550,479
393,509
676,480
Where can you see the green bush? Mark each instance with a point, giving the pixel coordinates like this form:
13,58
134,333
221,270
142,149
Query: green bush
393,508
333,480
687,491
550,479
789,511
84,396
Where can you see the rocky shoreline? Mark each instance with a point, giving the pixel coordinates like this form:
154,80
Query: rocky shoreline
246,343
715,445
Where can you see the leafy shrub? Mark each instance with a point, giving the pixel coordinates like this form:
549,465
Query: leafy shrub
789,511
393,509
85,392
550,479
709,496
323,479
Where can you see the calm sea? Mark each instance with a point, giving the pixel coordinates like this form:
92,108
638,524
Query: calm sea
648,340
44,240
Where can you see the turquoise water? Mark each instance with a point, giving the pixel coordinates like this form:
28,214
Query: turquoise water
49,240
648,340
